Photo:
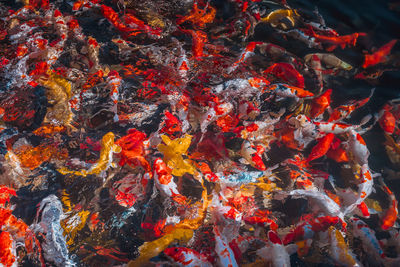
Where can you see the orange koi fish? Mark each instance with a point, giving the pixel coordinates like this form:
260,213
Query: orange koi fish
336,152
387,120
199,17
392,212
7,251
133,149
260,217
321,148
378,56
335,41
199,38
320,104
287,73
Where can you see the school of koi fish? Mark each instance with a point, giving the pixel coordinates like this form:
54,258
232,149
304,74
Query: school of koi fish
168,133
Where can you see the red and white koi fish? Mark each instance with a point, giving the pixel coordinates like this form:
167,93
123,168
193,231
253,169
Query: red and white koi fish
325,203
113,83
299,133
344,111
364,188
253,155
226,257
183,65
247,52
213,113
187,257
165,182
335,128
275,252
308,228
357,148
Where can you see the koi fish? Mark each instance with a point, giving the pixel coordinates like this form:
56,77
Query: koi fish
358,147
307,229
47,222
138,26
390,217
7,250
337,152
5,194
187,257
284,90
199,17
378,56
314,62
335,41
328,205
320,103
173,151
387,120
275,252
367,236
321,148
364,188
165,182
344,111
113,83
133,149
260,217
247,52
151,249
339,250
330,61
253,156
225,254
275,17
286,72
199,38
303,37
335,128
108,148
